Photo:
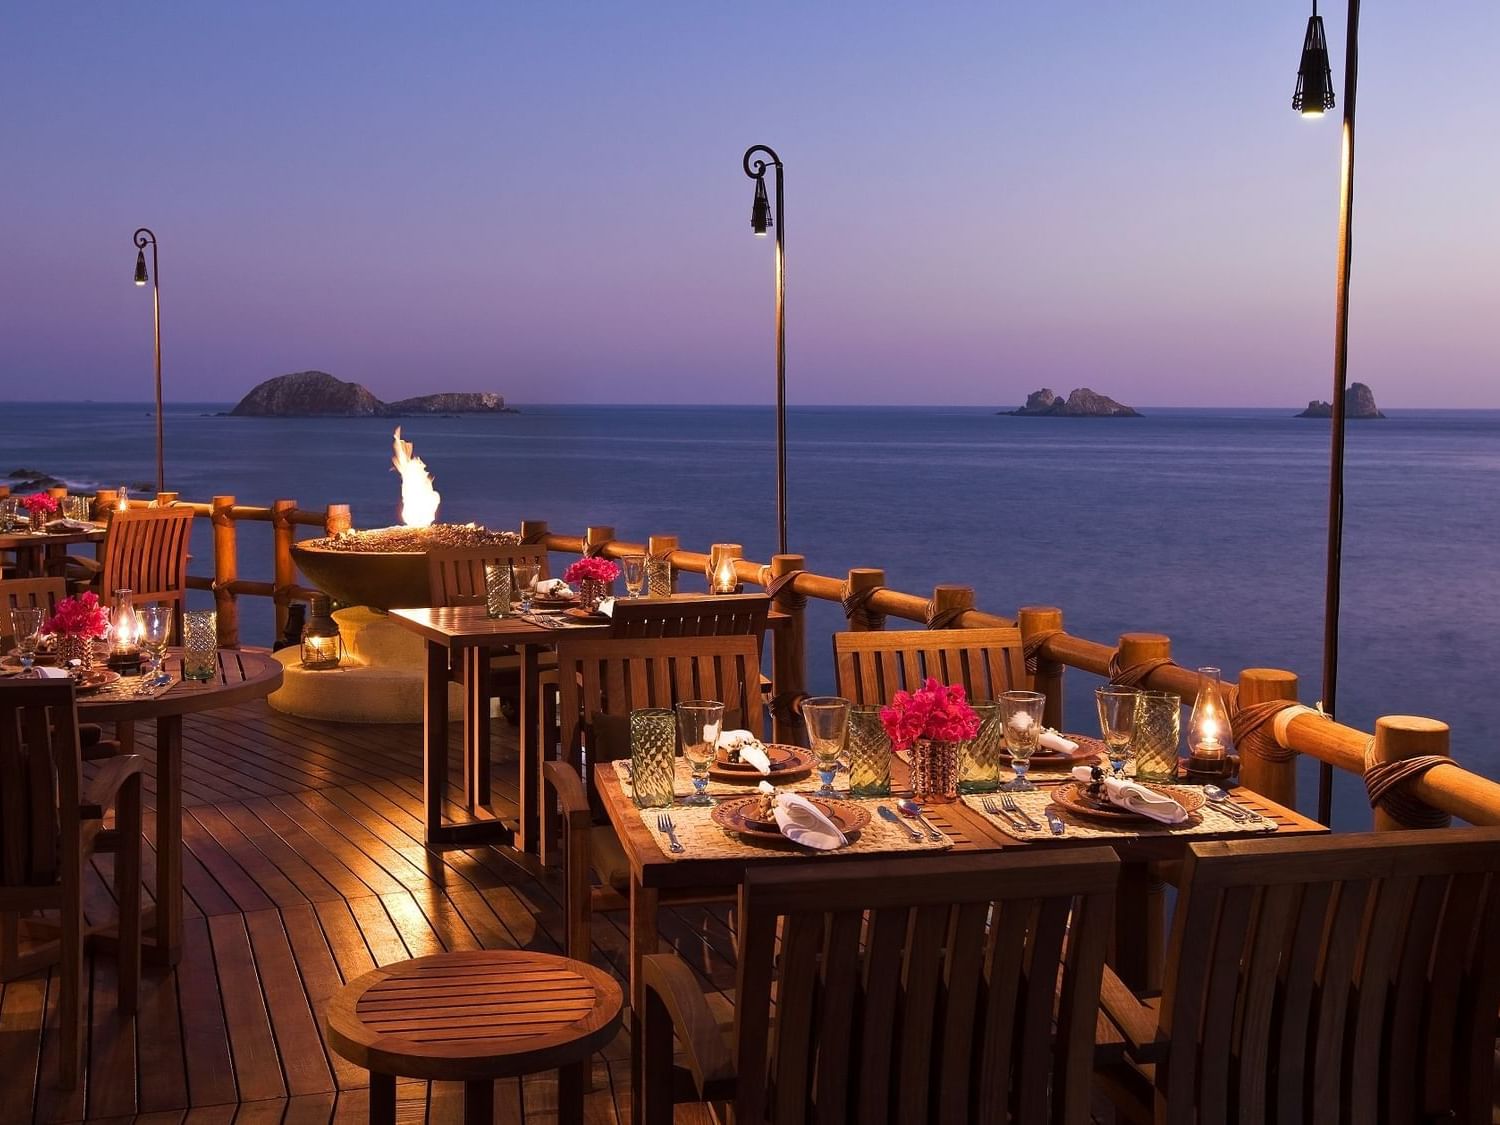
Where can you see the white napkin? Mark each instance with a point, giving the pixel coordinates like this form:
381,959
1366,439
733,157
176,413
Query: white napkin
607,607
802,823
1051,740
69,525
49,673
553,588
750,748
1137,798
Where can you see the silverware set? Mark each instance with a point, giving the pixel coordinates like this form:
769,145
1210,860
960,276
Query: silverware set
1221,800
1013,814
887,814
664,825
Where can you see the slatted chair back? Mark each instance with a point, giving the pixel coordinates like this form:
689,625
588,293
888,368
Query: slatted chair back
1350,978
953,989
456,574
725,615
146,552
40,767
871,667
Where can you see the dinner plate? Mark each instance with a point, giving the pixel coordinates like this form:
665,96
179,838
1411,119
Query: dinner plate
1071,795
98,678
554,603
738,815
788,763
1089,750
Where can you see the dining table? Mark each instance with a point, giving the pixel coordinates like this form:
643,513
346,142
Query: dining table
34,550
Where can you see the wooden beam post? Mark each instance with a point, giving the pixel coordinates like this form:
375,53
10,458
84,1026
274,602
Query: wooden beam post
532,531
283,534
226,571
788,651
955,598
862,578
1141,648
166,499
595,539
1399,737
104,502
1276,780
337,518
1035,620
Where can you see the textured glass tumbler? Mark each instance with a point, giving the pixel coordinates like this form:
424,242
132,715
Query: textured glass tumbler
200,645
869,754
1158,729
658,576
653,756
979,757
497,586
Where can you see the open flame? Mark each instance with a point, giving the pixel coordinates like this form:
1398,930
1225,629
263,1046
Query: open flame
419,500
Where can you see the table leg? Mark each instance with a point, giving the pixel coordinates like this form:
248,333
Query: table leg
643,942
572,1082
382,1099
531,792
1139,905
476,662
435,740
479,1102
167,930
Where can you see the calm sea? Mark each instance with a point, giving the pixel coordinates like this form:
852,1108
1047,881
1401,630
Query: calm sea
1207,525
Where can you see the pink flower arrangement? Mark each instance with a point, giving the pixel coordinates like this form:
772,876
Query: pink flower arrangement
591,570
936,712
80,616
39,502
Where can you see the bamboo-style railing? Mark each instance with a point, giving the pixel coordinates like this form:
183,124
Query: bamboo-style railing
1448,787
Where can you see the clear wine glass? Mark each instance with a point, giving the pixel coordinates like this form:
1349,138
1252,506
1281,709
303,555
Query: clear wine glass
156,631
525,572
635,574
700,722
1117,706
26,627
1021,712
827,719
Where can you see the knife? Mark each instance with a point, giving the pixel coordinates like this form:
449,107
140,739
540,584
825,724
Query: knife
899,823
1055,822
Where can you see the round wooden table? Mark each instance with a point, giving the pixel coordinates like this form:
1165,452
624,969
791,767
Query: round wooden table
33,548
472,1018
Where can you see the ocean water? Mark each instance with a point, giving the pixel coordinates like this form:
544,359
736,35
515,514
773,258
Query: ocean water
1207,525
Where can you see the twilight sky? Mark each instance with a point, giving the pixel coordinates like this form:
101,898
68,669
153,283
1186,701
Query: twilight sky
546,200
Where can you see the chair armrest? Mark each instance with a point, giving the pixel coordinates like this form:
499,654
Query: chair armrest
568,785
669,981
1136,1021
99,794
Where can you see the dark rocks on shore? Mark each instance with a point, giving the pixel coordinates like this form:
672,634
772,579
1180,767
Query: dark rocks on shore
317,393
1082,403
1359,404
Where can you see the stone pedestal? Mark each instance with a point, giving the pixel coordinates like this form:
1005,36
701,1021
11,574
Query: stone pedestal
379,681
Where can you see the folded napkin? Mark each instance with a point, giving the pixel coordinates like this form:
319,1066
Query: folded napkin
1051,740
1137,798
69,525
49,673
607,607
749,747
802,823
553,588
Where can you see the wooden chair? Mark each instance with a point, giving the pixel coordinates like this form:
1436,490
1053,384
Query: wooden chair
456,574
724,615
50,824
1348,978
954,989
603,680
871,667
145,552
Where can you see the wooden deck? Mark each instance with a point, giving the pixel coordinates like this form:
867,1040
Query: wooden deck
304,868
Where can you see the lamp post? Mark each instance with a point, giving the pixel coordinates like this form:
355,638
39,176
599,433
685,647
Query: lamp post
143,238
760,222
1313,95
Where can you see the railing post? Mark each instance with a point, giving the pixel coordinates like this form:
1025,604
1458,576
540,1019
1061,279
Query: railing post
58,492
226,572
595,538
662,546
166,499
532,531
1142,648
104,502
337,518
951,600
283,534
1036,620
1276,780
862,578
788,652
1399,737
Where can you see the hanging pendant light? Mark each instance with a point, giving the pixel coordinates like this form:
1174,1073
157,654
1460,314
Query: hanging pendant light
760,210
141,276
1314,93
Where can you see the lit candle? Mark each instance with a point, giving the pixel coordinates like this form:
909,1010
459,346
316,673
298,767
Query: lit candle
724,578
1208,745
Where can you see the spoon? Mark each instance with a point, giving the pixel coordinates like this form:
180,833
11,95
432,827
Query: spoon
914,810
1221,798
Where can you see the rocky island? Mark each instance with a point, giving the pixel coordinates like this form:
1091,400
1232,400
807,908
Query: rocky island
1082,403
1359,403
317,393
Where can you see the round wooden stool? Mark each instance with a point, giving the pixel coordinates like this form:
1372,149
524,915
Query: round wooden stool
473,1018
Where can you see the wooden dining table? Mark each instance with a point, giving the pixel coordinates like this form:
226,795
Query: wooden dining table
35,549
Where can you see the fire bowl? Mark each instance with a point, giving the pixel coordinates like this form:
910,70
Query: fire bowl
385,568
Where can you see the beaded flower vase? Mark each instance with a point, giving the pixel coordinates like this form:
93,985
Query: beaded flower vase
80,649
37,520
591,592
934,771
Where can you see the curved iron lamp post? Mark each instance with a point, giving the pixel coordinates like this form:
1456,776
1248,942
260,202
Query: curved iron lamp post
143,238
760,221
1313,95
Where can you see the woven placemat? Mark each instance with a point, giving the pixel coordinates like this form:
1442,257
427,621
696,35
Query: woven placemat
127,687
682,782
704,839
1207,821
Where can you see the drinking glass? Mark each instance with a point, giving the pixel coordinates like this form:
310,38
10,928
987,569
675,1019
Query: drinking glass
635,574
497,587
1158,730
200,645
525,573
1117,723
156,630
1021,711
869,754
979,757
26,627
653,756
827,718
659,576
699,723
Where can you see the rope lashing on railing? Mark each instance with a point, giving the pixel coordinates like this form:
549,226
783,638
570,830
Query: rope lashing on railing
594,550
1388,784
944,618
857,607
1031,649
534,536
1256,735
791,601
1136,675
787,707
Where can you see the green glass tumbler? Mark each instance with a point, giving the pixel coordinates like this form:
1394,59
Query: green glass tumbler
979,757
653,756
869,754
1158,729
200,645
497,589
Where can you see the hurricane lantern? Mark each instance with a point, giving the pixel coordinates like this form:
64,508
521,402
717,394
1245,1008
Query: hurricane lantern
1314,93
322,645
1209,738
760,210
124,633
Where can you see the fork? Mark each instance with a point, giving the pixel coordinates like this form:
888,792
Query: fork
1008,803
664,823
995,810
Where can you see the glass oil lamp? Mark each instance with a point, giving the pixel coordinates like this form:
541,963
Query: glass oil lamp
124,634
1209,739
721,576
122,503
322,645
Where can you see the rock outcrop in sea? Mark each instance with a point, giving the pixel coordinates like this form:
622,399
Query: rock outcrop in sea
1082,403
1359,403
317,393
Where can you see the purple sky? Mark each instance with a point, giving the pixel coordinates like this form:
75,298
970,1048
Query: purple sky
546,200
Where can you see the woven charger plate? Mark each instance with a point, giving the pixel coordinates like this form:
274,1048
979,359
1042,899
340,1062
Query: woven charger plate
788,763
1089,750
1070,795
731,814
98,678
553,603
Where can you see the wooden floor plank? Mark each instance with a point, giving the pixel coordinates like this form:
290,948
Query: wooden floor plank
298,1041
257,1067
